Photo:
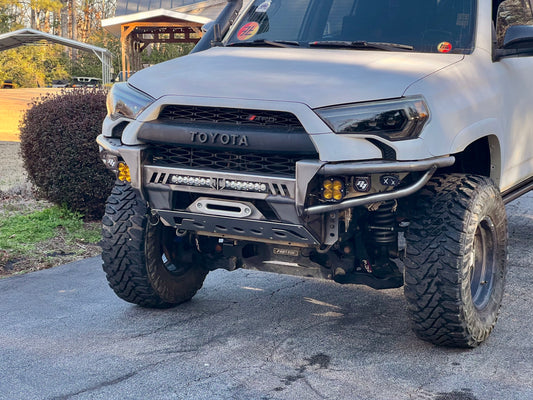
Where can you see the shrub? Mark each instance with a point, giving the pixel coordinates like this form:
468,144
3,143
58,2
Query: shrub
60,153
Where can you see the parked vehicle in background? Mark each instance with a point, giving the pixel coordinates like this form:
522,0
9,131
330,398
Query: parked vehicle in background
369,142
84,81
8,84
60,83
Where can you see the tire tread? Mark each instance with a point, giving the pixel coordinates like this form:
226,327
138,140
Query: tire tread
434,270
124,261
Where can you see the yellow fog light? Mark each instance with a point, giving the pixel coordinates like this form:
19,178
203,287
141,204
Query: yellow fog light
124,172
333,189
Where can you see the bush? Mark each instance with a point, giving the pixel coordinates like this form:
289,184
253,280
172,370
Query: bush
60,153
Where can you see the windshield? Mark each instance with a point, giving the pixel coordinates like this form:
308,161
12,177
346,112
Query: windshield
445,26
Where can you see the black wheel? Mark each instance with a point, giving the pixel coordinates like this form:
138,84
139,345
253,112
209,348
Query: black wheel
456,260
145,262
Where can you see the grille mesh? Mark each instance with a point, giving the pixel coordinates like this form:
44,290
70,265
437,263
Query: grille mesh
183,157
259,119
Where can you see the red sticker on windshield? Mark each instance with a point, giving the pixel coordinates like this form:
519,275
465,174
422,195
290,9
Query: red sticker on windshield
444,47
247,31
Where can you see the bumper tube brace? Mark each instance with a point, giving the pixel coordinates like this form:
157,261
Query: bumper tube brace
332,169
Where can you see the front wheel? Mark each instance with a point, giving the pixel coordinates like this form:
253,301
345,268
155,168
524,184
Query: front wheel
145,263
456,260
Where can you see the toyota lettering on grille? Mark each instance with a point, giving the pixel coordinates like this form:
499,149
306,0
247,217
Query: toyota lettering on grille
219,138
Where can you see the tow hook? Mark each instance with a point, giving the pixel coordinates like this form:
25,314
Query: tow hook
153,218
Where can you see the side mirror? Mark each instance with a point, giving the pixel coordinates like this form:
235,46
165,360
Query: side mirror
518,40
518,37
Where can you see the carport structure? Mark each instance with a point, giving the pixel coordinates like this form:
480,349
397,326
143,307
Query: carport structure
137,31
23,37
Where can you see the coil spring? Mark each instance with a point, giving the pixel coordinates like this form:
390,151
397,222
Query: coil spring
383,223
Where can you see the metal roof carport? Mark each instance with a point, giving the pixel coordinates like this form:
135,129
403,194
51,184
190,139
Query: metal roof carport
137,31
29,36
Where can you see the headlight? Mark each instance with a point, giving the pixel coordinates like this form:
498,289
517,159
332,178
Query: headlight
125,101
392,119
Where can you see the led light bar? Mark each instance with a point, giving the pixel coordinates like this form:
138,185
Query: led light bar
245,186
191,181
220,184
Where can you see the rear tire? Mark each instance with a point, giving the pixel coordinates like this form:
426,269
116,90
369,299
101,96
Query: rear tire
456,260
145,263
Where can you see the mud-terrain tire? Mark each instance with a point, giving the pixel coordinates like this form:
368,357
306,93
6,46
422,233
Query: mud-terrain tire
456,260
145,263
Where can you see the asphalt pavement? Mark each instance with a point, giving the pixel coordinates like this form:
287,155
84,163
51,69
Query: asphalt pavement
251,335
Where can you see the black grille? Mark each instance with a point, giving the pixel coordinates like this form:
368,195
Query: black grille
273,120
183,157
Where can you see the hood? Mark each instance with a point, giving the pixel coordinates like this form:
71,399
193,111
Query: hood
315,77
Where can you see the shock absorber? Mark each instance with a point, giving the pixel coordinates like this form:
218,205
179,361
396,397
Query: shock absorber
383,229
375,251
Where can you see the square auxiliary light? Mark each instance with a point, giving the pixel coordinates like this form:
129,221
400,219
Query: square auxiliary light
124,172
110,161
333,189
362,183
390,180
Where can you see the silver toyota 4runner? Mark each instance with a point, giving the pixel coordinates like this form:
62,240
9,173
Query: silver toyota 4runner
369,142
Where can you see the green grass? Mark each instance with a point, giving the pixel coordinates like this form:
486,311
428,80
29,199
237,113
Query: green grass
21,233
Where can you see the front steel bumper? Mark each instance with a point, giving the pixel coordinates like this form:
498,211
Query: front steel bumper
294,188
286,195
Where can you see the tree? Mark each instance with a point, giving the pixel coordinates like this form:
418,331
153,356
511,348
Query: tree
75,19
32,66
35,13
87,64
165,51
68,18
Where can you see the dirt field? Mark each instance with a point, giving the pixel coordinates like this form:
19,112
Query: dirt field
12,173
13,103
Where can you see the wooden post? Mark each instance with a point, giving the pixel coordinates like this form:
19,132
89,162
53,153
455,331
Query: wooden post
132,45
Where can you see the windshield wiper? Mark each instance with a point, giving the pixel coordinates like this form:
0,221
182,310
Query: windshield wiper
264,42
362,45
